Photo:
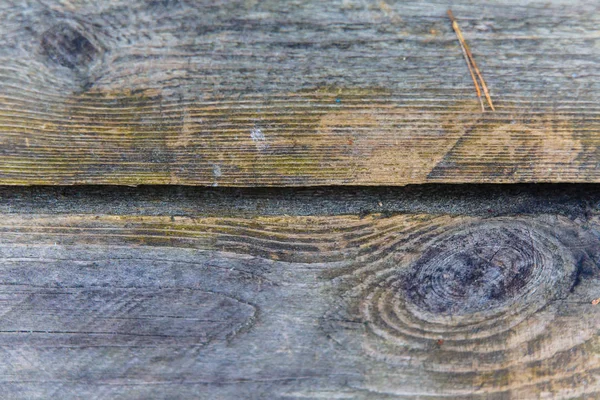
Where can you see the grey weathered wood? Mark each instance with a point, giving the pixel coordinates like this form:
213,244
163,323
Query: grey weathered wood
404,306
271,93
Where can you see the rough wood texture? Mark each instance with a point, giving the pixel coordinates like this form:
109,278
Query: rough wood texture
405,306
248,93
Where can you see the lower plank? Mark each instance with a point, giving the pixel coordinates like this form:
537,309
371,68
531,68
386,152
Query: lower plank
404,306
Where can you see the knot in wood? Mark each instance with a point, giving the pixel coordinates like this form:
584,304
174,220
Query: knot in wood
487,269
66,45
473,280
469,301
481,269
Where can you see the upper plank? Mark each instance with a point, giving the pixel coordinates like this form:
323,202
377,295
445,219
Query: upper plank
270,93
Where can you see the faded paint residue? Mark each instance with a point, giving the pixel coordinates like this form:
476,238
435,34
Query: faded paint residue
257,135
217,171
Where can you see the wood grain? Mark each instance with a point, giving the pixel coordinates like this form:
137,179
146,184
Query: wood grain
247,93
406,306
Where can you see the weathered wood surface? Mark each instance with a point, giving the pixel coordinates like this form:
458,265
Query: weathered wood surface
248,93
425,306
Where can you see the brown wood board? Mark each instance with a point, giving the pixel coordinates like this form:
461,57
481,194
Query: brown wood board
271,93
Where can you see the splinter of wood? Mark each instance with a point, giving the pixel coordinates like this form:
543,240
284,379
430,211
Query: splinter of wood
471,64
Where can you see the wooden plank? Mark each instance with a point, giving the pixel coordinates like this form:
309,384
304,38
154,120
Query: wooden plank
405,306
247,93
